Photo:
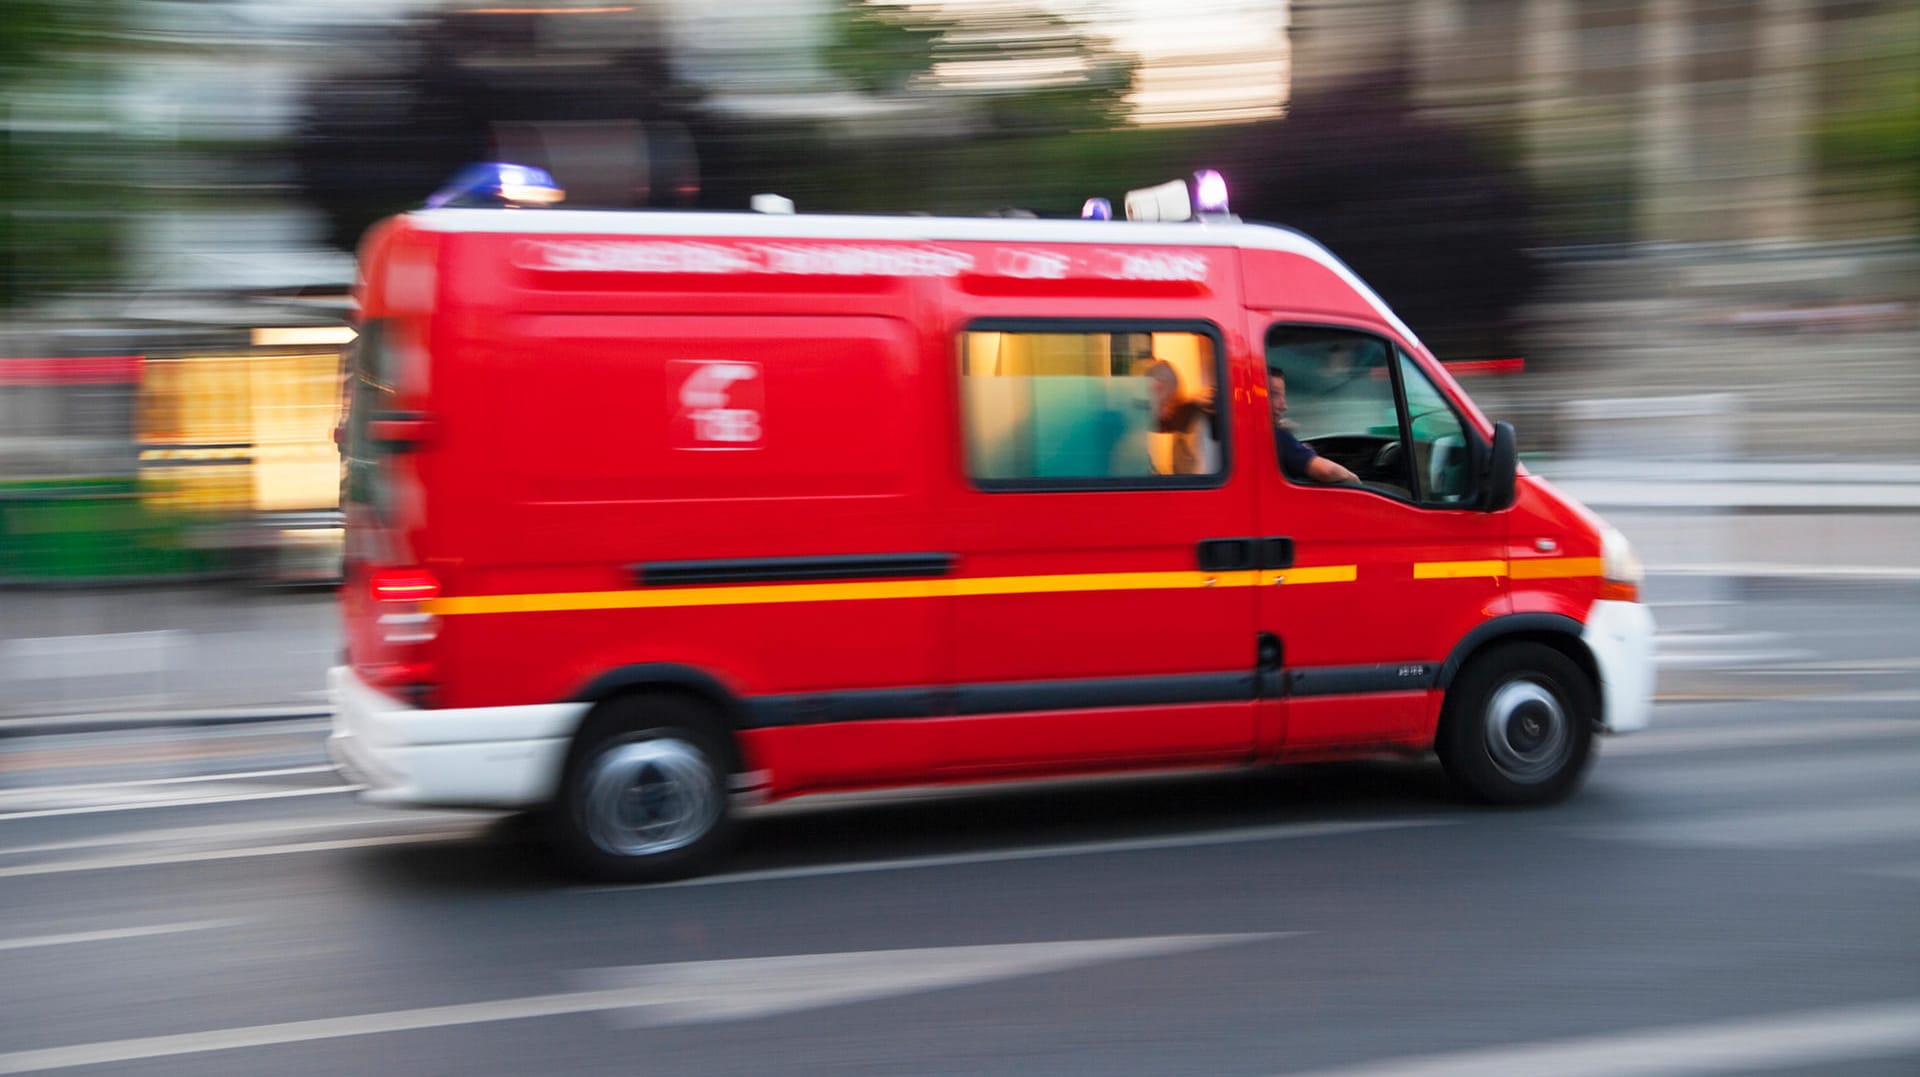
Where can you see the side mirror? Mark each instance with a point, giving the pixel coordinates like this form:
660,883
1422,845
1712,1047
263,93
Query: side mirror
1503,470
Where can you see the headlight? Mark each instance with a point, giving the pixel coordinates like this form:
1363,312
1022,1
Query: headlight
1620,568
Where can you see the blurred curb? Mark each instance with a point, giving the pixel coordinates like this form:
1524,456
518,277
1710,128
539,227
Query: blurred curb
1753,570
57,725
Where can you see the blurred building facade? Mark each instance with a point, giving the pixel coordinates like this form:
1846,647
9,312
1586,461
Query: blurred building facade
1665,120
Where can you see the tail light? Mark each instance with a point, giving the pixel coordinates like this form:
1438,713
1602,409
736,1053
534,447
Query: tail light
406,628
401,585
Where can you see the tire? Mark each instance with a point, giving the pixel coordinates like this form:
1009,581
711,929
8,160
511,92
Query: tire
1517,726
645,793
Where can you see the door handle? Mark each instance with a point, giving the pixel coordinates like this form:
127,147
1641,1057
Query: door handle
1242,554
1276,552
1228,554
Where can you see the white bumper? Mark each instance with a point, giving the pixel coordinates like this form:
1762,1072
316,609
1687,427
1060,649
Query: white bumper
480,757
1620,635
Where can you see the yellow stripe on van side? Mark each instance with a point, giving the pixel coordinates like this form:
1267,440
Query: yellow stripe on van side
1532,568
1556,568
1096,581
1312,574
748,595
781,593
1457,570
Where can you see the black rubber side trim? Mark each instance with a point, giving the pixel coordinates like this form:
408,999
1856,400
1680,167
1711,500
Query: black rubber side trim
822,708
865,705
1360,680
785,569
1104,692
1511,624
1273,684
826,708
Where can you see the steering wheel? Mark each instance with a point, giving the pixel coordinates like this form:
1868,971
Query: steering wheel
1387,460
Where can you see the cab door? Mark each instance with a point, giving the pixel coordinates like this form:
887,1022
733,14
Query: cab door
1388,572
1104,612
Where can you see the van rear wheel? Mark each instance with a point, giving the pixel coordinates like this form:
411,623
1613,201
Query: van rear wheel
1517,726
644,797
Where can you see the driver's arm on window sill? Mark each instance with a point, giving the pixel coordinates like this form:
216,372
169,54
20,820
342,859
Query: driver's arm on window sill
1321,469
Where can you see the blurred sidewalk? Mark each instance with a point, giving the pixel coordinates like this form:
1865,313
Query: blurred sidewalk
183,655
1752,519
178,651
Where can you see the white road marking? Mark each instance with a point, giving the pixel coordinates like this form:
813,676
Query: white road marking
1891,695
161,859
1279,832
1850,665
1780,570
1808,1038
217,833
180,802
1660,741
1770,774
1725,659
25,791
111,934
131,729
670,994
1800,828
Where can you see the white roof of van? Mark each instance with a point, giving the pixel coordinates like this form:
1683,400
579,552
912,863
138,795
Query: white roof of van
576,222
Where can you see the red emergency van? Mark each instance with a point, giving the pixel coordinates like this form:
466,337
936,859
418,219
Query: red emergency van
654,515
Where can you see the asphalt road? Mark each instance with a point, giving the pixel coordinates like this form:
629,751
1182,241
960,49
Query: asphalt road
1735,891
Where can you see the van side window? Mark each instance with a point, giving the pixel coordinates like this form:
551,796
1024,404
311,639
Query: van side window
1064,407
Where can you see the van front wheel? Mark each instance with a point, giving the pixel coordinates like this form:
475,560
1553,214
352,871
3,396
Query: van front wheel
1517,726
644,797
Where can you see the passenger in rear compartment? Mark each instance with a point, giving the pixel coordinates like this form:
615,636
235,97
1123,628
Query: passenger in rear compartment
1189,418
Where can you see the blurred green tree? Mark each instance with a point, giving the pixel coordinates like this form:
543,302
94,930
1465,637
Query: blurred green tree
882,47
61,205
1028,69
1869,140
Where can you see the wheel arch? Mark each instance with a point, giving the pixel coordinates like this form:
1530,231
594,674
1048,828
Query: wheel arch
1554,630
668,678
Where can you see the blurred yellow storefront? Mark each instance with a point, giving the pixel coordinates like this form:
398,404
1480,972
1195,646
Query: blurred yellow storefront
241,441
241,433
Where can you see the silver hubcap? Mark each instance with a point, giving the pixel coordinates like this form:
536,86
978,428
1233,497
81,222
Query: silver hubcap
1527,733
648,797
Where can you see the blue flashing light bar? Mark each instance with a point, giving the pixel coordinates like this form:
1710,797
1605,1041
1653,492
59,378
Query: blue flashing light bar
498,183
1097,209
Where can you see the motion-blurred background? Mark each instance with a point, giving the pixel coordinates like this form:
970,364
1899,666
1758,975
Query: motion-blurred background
1692,220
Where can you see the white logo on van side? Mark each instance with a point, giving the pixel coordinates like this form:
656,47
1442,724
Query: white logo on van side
1026,263
1154,265
721,402
789,258
807,260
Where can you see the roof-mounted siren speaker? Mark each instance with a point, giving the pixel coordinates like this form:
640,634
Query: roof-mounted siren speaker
1167,202
1203,197
772,203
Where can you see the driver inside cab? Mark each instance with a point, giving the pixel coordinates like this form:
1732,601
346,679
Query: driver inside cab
1298,460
